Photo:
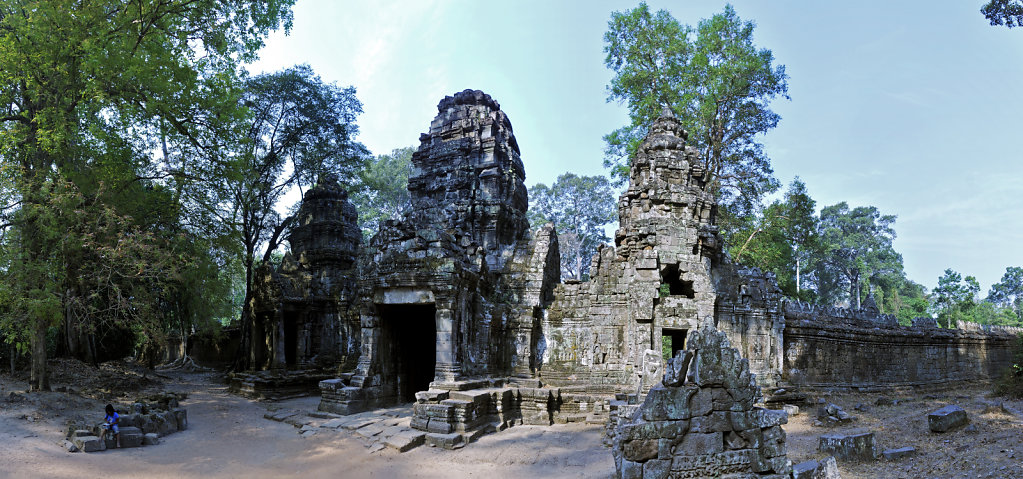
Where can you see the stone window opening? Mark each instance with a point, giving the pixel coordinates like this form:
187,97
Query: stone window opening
672,283
672,341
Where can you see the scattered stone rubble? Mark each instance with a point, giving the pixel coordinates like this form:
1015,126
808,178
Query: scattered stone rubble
857,446
826,468
701,422
947,418
142,424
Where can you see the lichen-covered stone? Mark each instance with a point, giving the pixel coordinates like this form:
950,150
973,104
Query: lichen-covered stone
718,437
305,308
947,418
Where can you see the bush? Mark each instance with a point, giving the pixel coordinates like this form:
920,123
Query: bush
1011,382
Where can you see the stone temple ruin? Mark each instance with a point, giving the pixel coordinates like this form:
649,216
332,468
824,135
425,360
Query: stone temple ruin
459,306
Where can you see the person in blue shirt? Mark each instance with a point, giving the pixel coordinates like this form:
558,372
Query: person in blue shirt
110,424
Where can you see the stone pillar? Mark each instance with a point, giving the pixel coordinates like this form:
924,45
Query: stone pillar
448,368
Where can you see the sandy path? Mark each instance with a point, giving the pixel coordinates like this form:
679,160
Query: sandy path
228,437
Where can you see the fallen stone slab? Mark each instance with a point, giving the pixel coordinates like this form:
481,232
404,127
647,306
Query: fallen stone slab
150,439
446,441
791,409
281,415
360,423
849,446
947,418
826,468
406,440
894,454
70,446
333,423
370,431
89,443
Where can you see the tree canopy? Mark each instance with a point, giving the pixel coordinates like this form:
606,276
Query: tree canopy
1004,12
384,194
579,207
715,79
105,83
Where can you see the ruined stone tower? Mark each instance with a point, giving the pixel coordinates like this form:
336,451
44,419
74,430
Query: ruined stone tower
305,308
450,292
606,334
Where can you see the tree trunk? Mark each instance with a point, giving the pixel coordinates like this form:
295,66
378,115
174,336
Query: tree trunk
39,379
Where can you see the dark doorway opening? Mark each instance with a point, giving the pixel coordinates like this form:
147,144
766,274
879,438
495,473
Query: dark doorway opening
672,341
409,345
671,279
290,338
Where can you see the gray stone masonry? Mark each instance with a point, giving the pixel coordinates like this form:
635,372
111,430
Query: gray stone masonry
700,420
305,308
947,418
858,446
826,468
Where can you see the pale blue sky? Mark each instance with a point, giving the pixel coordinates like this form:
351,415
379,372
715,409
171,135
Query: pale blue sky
910,106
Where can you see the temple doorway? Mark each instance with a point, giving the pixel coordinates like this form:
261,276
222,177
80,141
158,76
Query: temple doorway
409,343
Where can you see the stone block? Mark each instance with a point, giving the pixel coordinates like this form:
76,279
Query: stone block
695,444
89,444
667,403
893,454
640,450
150,439
852,446
632,470
130,437
439,426
947,418
181,418
406,440
446,441
656,469
826,468
714,422
432,395
419,422
702,402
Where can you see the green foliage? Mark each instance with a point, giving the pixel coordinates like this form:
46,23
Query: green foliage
718,83
385,189
1004,12
857,245
1008,293
954,296
579,207
88,93
784,239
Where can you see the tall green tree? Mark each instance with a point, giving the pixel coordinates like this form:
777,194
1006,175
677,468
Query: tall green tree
579,207
299,130
75,79
858,245
1004,12
384,194
719,84
1008,292
784,239
953,296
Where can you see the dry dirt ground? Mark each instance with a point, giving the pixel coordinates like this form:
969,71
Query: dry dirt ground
228,437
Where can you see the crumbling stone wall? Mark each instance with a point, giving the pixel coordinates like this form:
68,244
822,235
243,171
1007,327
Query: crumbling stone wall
700,420
665,276
835,347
